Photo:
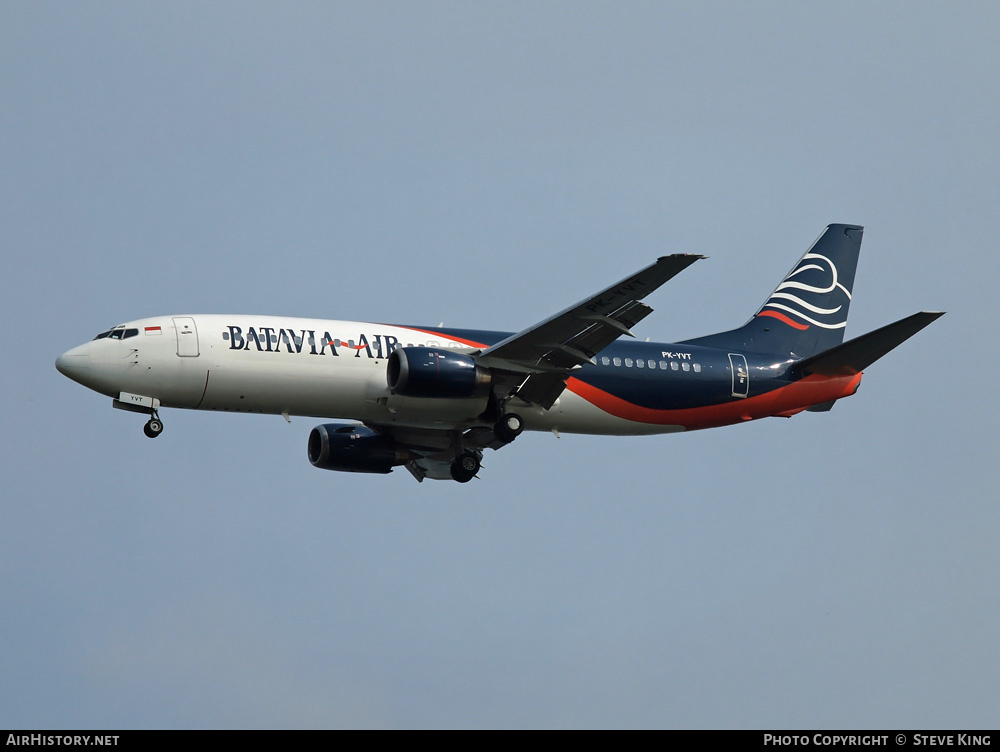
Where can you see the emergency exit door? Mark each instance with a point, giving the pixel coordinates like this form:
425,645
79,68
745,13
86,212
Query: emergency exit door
741,374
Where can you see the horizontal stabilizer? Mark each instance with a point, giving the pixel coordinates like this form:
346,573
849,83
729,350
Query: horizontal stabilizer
857,354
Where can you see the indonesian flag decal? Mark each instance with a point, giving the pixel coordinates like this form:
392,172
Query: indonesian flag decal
153,330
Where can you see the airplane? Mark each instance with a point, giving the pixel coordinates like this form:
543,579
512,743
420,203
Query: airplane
432,399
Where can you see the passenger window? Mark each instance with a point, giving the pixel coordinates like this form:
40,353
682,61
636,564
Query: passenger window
686,366
605,361
673,365
628,362
617,361
652,363
697,367
663,365
640,363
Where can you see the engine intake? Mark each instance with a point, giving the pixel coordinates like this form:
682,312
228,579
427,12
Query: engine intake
430,372
355,449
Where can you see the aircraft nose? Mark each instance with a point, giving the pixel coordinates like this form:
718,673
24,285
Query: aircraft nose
74,364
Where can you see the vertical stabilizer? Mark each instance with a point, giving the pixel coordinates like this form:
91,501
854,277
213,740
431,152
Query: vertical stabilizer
807,312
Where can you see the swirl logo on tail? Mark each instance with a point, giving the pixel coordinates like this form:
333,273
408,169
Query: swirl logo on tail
807,294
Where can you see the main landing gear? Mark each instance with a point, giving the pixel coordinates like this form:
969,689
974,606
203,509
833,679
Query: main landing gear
467,464
153,427
465,467
509,427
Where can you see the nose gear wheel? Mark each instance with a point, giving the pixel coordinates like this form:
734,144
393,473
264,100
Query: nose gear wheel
153,427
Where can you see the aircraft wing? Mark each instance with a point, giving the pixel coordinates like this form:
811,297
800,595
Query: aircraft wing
431,451
547,352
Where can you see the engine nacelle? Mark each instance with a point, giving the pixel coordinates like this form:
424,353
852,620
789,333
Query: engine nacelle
431,372
352,448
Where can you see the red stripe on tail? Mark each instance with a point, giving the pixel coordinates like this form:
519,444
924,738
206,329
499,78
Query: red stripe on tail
784,319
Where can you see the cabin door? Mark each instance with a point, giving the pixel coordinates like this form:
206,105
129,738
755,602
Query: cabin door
187,337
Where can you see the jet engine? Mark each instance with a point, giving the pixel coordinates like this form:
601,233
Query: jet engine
351,448
429,372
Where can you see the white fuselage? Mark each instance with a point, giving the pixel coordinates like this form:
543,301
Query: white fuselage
296,366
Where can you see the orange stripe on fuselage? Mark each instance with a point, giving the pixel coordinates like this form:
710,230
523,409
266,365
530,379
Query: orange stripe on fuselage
812,390
790,399
466,342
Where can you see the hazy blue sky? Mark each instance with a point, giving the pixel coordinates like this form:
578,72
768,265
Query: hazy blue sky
485,165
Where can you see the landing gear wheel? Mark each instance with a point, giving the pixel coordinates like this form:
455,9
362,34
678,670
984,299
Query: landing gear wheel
153,428
465,467
509,427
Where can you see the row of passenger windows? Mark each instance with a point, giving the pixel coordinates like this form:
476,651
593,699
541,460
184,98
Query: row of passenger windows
118,333
673,365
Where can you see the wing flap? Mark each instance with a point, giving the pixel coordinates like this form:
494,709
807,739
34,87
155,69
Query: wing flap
542,389
606,329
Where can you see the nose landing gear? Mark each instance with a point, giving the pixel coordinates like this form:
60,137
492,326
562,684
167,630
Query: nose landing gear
153,427
138,403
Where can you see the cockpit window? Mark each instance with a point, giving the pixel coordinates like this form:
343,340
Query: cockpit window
118,332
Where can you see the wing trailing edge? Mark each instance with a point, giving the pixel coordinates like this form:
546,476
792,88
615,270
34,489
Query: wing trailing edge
545,354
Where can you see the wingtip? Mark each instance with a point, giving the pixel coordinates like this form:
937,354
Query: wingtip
931,315
672,256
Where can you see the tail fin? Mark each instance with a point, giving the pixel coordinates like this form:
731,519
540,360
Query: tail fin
807,313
